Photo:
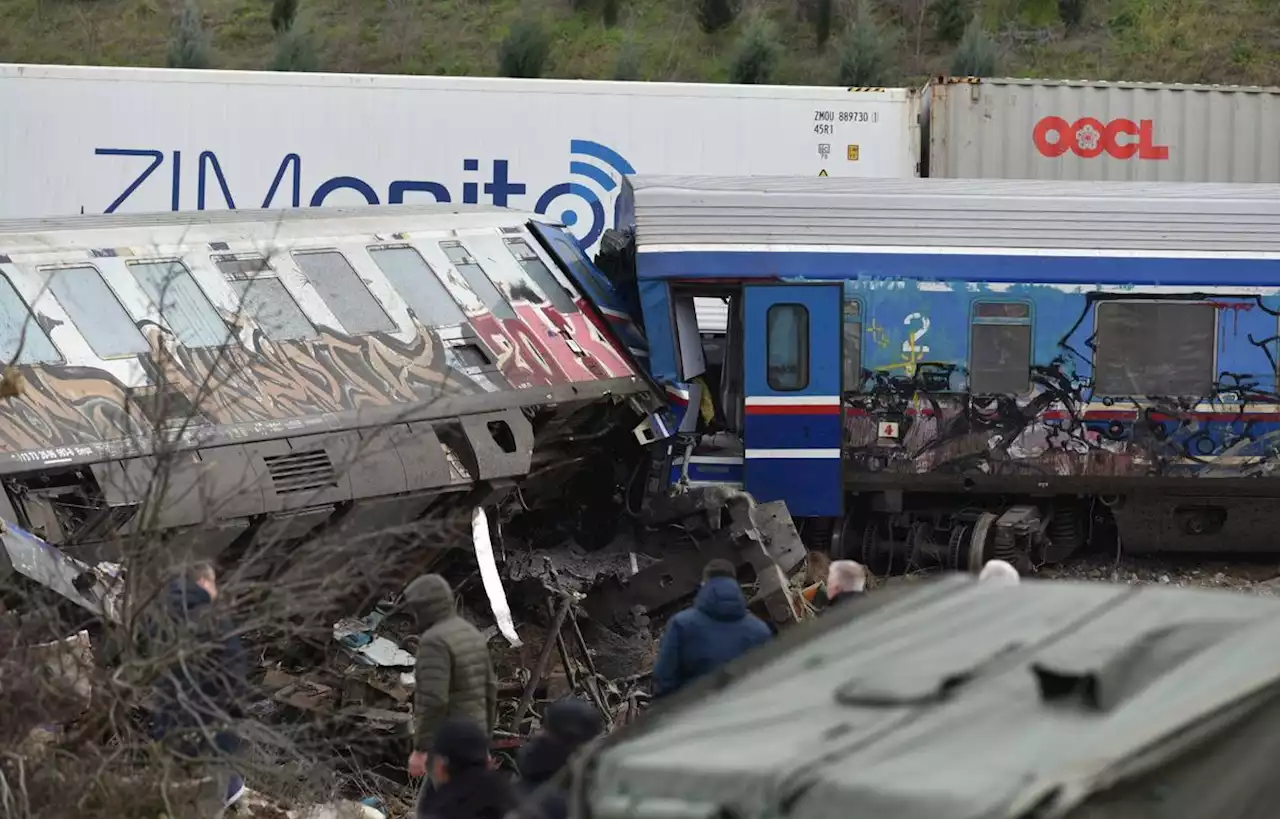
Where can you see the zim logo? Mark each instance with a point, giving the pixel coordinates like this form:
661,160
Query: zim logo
1089,138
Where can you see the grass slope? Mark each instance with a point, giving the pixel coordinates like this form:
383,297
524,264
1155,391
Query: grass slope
1219,41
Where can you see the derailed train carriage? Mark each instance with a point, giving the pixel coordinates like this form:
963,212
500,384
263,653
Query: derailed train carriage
944,371
291,370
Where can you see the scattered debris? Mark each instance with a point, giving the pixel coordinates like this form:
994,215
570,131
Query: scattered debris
489,575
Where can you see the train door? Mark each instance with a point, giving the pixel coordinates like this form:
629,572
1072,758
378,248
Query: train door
792,373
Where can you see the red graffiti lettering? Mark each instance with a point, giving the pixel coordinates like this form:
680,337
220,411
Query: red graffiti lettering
1088,138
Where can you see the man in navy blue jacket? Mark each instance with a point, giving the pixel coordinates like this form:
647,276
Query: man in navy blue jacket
206,681
715,630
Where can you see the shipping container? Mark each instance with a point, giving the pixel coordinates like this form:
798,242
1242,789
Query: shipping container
1063,129
108,140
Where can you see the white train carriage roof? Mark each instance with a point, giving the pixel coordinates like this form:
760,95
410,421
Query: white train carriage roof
168,229
684,213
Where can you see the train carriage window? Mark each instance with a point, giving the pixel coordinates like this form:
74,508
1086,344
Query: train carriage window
477,280
787,347
343,291
852,345
1154,347
533,267
181,303
1000,350
96,312
418,285
264,298
22,339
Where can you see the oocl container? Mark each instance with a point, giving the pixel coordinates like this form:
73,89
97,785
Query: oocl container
1064,129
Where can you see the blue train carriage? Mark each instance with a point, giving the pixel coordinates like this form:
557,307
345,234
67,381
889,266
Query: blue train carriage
943,371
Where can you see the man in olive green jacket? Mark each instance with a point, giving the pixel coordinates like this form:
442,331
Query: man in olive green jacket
453,674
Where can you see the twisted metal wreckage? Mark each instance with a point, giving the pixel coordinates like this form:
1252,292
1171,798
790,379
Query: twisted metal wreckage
405,363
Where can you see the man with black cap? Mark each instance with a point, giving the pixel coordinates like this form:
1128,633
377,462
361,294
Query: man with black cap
466,785
715,630
567,725
453,673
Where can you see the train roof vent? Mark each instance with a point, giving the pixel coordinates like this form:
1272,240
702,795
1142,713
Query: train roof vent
301,471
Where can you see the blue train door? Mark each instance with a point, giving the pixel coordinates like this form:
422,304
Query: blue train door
792,373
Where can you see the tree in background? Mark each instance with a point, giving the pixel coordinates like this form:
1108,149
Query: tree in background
822,14
526,50
949,20
867,51
283,13
295,51
1072,13
978,54
628,66
757,54
714,15
610,11
189,46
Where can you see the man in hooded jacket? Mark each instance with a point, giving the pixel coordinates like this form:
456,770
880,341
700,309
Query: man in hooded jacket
453,673
715,630
567,725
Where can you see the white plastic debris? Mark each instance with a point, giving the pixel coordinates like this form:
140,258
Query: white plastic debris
489,575
368,648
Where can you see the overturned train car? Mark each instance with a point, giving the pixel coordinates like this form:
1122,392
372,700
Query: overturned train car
945,371
290,370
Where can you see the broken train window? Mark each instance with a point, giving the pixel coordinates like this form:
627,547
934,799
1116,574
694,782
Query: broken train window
180,302
15,320
264,298
787,347
1000,348
478,280
95,311
419,286
1154,347
343,292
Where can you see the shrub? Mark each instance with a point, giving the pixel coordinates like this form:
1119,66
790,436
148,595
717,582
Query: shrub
1072,13
714,15
949,20
295,51
283,13
189,45
978,54
757,54
628,65
867,53
526,50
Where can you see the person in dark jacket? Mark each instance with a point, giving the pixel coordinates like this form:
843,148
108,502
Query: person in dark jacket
453,673
715,630
567,725
467,786
206,682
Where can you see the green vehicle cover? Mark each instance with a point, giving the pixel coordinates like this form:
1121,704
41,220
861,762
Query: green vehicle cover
954,700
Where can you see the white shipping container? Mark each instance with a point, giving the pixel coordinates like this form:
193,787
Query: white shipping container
95,140
1052,129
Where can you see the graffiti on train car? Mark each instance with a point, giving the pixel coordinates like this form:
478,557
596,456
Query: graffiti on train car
275,381
1077,375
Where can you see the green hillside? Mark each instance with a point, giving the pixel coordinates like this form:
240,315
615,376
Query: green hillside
1219,41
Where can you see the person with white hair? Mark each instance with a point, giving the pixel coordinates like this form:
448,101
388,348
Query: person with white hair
846,580
999,573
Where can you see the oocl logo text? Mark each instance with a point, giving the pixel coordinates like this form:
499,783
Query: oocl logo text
1089,138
